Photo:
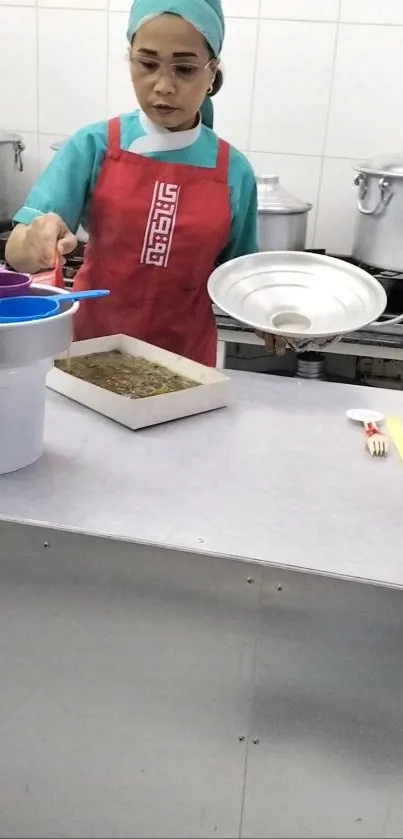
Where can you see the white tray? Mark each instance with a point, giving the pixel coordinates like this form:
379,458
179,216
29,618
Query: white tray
140,413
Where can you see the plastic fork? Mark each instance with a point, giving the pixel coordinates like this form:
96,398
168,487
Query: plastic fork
376,442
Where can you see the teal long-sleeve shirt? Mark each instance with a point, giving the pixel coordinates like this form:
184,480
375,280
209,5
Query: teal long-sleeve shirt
207,113
66,186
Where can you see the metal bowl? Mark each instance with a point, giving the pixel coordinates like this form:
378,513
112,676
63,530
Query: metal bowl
298,295
22,343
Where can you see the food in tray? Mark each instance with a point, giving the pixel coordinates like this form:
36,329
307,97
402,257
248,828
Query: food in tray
124,374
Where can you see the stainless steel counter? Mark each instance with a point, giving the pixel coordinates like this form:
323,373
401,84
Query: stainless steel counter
154,692
278,477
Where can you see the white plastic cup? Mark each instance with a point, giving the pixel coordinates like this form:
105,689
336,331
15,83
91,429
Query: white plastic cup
22,414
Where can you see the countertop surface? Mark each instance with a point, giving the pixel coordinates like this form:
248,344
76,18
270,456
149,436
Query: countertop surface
279,477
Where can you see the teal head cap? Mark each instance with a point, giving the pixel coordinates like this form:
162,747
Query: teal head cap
206,16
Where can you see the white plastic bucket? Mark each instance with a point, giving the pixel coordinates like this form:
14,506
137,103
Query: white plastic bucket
22,414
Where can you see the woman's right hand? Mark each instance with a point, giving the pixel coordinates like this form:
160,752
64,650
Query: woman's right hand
46,237
274,344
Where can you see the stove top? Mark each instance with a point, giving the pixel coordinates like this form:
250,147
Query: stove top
392,282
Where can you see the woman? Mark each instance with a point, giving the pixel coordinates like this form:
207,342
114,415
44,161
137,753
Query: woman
164,199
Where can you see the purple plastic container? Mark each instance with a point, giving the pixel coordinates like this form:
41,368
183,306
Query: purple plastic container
13,284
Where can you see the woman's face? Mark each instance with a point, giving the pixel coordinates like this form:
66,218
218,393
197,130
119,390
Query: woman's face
171,71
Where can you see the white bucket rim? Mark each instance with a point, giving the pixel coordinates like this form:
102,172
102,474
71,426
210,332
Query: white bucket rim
31,324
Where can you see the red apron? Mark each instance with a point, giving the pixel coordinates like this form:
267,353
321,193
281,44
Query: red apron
156,231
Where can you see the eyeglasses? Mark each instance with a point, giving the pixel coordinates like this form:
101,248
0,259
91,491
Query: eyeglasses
185,71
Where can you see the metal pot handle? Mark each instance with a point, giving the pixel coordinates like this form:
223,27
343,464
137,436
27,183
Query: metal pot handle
378,324
19,147
384,188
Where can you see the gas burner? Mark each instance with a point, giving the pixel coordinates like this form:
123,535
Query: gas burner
73,263
389,279
392,283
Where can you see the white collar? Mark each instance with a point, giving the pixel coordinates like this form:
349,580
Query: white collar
159,139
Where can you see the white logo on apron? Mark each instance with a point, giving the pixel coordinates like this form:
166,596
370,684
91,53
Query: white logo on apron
160,225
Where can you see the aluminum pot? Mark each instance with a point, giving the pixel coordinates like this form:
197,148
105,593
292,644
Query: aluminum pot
378,237
283,219
11,165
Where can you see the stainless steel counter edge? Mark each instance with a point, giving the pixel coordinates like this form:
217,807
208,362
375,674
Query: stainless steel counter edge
37,527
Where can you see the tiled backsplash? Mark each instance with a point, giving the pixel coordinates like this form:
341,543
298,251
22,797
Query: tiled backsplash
311,86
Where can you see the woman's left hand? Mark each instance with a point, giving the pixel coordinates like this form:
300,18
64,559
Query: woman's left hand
274,344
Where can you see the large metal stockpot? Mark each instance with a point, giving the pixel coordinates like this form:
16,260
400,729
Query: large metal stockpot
378,238
283,219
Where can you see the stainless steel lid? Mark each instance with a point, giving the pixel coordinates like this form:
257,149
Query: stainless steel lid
297,294
386,165
272,198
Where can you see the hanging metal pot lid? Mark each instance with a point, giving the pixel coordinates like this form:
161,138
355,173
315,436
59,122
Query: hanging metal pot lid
272,198
383,166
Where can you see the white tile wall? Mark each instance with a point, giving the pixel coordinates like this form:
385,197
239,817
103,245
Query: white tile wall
18,69
337,205
241,8
120,6
292,86
365,113
72,68
234,123
372,11
120,94
300,9
311,85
